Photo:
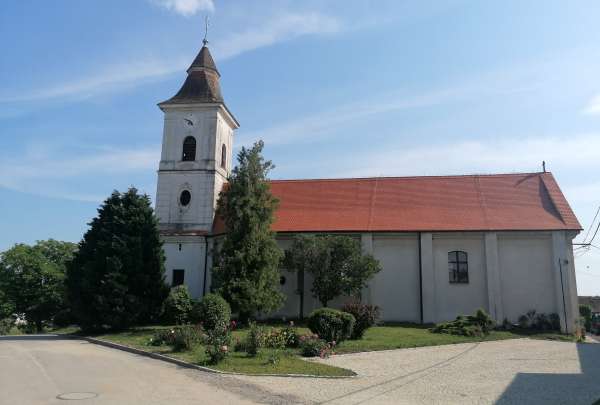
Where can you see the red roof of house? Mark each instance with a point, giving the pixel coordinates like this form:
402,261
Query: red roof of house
529,201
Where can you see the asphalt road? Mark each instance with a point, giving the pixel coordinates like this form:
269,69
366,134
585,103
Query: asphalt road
52,370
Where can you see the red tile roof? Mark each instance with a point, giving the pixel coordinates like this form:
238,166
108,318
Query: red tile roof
530,201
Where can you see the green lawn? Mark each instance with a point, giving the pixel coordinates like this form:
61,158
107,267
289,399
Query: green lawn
410,335
377,338
289,360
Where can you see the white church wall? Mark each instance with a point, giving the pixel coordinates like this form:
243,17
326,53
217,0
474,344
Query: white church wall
291,305
395,289
452,299
199,211
526,273
190,258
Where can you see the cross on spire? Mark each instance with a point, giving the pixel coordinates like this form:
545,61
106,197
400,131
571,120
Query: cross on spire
206,24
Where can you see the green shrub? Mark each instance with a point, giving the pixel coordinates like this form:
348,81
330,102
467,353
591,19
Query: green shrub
217,342
63,318
212,312
586,312
365,316
177,305
523,322
290,332
255,339
181,338
186,336
477,325
313,346
331,325
554,321
6,325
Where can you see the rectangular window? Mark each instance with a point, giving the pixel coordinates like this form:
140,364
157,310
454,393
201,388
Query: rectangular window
458,267
178,277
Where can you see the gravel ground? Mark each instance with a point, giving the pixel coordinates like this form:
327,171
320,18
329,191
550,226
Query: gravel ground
521,371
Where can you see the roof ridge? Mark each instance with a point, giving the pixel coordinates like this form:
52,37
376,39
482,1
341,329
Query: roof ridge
405,177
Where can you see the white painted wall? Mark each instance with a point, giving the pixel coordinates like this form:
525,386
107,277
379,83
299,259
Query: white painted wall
190,259
526,274
204,177
455,299
395,289
523,278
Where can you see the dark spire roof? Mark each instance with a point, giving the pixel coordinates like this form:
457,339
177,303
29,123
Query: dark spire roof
202,82
204,60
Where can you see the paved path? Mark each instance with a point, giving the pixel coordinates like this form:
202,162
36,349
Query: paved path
521,371
35,370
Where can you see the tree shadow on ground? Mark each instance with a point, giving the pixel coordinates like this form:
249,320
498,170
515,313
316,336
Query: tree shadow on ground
542,388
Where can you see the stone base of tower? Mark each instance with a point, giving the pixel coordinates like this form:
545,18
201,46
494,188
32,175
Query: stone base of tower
185,261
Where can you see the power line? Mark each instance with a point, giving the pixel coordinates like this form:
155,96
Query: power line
591,225
595,233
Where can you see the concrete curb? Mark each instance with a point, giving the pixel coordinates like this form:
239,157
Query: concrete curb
185,364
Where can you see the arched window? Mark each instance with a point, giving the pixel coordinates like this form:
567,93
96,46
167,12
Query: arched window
458,267
189,149
224,156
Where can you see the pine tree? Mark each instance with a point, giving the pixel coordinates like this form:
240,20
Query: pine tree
246,271
116,279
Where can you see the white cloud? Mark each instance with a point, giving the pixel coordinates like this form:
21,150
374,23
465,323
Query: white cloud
47,171
593,106
508,155
186,8
277,28
120,76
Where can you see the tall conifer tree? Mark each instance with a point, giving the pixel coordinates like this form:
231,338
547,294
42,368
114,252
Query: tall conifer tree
246,271
116,279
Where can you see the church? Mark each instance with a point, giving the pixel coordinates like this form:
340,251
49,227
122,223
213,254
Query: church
447,244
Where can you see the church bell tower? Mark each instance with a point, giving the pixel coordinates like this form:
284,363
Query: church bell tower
195,163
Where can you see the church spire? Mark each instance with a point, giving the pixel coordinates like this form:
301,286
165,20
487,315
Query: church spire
202,83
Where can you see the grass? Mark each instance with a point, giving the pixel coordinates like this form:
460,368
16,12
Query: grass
53,330
289,360
415,335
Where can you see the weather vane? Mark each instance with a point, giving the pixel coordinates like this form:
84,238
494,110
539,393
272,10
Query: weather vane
206,23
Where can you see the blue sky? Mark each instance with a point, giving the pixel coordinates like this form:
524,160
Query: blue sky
335,89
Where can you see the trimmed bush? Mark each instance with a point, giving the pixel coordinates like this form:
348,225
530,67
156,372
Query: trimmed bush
331,325
212,312
365,316
477,325
178,305
312,346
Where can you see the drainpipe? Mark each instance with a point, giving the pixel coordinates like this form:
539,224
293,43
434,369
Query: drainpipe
562,288
420,280
205,264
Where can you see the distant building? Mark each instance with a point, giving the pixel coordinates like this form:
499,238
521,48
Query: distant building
448,245
593,302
